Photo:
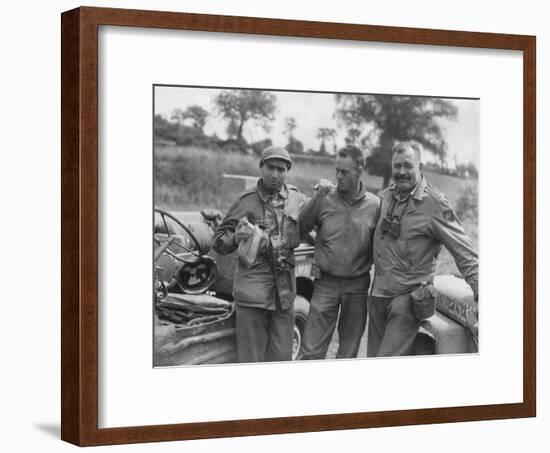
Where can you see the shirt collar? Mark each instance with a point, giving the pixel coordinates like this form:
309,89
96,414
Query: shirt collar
265,195
418,191
359,196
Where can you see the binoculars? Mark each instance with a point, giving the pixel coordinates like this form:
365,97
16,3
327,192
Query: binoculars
391,225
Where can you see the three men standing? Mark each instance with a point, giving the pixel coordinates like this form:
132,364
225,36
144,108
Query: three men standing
401,231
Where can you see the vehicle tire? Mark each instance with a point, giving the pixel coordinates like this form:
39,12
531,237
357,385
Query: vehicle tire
301,309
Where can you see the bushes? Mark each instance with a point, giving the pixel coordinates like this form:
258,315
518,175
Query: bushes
466,205
191,178
295,146
182,135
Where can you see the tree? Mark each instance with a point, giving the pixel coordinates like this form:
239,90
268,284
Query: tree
293,146
290,126
177,116
392,119
324,134
232,128
197,114
241,106
353,136
161,126
194,112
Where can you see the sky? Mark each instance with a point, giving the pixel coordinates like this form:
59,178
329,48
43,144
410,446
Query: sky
315,110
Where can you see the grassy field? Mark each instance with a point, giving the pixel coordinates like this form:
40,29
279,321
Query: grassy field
190,178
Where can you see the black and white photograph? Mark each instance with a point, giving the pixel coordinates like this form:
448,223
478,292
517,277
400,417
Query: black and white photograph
294,225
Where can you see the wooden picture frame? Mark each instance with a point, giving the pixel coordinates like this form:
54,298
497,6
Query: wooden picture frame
79,134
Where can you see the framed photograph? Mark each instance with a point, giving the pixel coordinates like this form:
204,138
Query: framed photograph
275,226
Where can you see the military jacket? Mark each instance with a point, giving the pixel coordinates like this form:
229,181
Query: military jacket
264,285
427,222
343,244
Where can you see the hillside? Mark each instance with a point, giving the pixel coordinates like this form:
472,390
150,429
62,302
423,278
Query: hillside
189,178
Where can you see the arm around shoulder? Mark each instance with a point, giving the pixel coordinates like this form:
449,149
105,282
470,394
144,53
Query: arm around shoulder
309,213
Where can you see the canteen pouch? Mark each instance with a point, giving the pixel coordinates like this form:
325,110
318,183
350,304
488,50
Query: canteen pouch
423,301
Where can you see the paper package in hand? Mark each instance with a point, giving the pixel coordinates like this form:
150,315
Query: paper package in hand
249,249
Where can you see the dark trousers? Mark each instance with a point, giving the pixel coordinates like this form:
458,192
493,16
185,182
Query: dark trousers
330,296
264,335
392,326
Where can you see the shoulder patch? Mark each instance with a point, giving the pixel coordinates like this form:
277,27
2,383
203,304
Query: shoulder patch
438,204
449,215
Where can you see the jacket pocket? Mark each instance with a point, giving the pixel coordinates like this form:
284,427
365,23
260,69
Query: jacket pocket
292,230
404,253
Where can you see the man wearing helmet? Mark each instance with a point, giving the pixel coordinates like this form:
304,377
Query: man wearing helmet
264,291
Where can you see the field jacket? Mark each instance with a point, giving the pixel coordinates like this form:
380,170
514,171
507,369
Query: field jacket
427,222
263,286
343,244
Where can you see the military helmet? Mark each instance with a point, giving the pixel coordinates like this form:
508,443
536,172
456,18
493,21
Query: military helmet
275,152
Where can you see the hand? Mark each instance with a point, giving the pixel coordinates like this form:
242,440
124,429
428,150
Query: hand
242,236
324,187
243,231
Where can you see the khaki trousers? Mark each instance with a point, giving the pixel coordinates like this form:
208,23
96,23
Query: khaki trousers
333,295
264,335
392,326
